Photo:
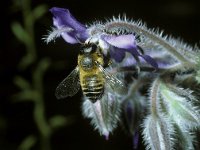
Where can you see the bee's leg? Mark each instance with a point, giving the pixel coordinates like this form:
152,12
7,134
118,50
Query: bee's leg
109,62
137,69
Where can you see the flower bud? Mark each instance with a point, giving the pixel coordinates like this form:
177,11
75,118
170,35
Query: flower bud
180,107
157,133
104,113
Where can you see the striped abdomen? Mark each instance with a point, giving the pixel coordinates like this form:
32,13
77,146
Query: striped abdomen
92,87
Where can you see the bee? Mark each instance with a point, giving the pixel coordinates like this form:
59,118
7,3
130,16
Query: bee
90,75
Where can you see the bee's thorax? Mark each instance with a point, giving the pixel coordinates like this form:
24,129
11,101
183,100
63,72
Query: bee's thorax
87,63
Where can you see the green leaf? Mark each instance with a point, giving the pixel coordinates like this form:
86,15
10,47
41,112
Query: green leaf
22,83
185,139
20,33
39,11
26,61
28,143
180,108
58,121
41,68
26,95
198,77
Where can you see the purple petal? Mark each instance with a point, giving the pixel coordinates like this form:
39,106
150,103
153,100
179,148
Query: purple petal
121,41
70,38
125,43
63,18
150,60
117,54
121,44
134,52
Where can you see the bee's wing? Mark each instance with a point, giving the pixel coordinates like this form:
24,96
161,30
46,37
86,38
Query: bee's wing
116,85
69,86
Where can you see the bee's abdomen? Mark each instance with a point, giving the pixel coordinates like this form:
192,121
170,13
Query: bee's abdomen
93,87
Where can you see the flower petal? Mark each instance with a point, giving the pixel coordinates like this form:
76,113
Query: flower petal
63,18
121,41
121,44
150,60
117,54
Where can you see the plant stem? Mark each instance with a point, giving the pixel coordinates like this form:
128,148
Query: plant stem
39,109
40,120
30,57
37,76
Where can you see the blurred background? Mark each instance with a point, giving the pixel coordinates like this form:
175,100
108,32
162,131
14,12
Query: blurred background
31,118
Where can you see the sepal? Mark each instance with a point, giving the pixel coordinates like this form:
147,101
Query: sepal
180,107
104,113
185,139
157,133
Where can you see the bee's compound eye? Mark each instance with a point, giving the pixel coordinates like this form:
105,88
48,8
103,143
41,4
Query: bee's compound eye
94,47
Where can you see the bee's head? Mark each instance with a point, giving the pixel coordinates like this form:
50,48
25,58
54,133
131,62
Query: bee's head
88,48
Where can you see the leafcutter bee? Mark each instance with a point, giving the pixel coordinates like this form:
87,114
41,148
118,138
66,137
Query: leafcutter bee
91,76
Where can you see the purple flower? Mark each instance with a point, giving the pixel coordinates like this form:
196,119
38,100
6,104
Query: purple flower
125,43
63,19
74,32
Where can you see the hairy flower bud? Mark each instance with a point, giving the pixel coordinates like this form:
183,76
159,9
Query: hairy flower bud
185,139
134,106
180,107
157,133
104,113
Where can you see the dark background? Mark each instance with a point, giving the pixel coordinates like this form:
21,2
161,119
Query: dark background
179,18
